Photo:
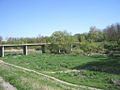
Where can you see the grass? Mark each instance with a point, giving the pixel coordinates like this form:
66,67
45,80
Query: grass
23,80
90,78
43,62
98,71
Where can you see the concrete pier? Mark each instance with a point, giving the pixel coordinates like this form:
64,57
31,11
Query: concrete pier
43,48
25,51
1,51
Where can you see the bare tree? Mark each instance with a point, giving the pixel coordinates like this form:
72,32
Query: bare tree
112,33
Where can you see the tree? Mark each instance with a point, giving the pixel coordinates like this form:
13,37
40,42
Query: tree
0,39
112,33
112,38
61,40
95,34
80,37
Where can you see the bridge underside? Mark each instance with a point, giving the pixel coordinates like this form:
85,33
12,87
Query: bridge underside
23,46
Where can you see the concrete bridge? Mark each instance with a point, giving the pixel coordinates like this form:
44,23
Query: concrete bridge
24,47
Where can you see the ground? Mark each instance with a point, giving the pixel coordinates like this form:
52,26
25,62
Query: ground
97,71
6,85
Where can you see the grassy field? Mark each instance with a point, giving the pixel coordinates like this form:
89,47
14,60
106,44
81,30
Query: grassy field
43,62
23,80
96,71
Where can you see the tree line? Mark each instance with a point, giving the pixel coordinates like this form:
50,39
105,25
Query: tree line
95,41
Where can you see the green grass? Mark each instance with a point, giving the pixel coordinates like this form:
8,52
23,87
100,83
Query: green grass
90,78
43,62
23,80
96,71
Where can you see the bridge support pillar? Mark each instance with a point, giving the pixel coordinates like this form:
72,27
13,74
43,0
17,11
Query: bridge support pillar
1,51
43,48
25,51
71,46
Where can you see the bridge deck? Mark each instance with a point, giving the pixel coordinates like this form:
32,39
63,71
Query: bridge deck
20,45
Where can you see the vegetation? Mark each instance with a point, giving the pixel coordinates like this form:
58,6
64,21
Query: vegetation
23,80
48,62
97,71
91,59
95,41
91,78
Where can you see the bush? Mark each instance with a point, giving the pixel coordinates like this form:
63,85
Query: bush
77,52
91,47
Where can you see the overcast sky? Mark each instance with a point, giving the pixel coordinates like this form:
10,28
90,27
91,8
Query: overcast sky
29,18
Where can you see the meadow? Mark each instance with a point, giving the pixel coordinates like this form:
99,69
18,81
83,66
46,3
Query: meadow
23,80
96,71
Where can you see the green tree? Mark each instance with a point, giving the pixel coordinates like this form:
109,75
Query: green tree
91,47
95,35
81,37
61,40
0,39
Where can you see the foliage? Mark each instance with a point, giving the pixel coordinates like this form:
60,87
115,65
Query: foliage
96,71
81,37
48,62
23,80
91,78
95,41
0,39
95,35
112,33
77,52
91,47
61,41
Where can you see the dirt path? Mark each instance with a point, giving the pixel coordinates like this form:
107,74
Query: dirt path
6,85
50,77
66,71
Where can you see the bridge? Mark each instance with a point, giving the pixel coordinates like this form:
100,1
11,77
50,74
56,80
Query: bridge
24,47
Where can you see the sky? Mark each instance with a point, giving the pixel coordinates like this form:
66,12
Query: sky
30,18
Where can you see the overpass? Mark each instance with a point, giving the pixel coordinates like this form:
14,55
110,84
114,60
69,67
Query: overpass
24,47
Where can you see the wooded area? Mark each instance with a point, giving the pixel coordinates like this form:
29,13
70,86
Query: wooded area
96,41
